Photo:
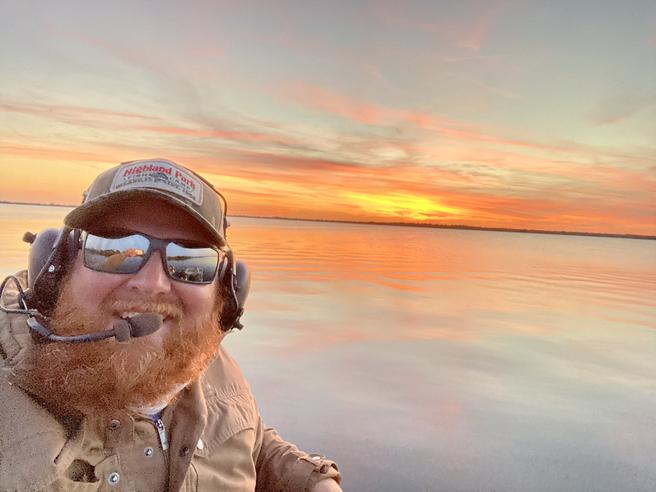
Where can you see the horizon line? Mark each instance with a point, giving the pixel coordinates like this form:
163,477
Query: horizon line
428,225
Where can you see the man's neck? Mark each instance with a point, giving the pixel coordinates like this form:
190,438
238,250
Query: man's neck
156,408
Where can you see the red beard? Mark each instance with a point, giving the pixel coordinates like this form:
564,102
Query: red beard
104,376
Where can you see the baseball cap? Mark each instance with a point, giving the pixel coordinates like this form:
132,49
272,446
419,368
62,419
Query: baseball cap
158,179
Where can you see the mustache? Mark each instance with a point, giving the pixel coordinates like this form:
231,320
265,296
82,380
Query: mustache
166,309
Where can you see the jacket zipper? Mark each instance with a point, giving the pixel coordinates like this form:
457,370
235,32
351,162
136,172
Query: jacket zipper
161,431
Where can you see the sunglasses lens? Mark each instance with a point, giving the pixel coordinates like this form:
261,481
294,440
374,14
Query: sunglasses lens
195,265
115,255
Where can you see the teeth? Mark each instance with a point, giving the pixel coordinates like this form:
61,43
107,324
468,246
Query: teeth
132,314
129,314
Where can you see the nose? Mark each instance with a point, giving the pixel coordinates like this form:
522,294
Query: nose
151,279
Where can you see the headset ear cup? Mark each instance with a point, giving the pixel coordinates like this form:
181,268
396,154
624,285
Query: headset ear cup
235,289
40,252
242,283
51,254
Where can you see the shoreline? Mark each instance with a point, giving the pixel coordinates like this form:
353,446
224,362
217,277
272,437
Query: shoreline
405,224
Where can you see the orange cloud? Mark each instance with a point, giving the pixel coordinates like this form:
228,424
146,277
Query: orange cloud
353,192
316,97
454,184
359,111
534,166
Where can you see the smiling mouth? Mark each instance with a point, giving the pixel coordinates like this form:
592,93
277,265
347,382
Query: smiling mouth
131,314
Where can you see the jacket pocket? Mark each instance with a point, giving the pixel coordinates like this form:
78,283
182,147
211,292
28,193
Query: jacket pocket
68,485
230,467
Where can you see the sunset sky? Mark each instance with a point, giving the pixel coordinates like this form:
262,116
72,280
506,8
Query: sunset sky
520,114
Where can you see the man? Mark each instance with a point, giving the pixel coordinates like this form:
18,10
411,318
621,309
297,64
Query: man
113,376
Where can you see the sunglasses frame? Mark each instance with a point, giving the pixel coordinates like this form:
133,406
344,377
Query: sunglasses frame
154,244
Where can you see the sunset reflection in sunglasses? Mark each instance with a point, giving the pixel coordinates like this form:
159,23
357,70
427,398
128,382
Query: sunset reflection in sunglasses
127,252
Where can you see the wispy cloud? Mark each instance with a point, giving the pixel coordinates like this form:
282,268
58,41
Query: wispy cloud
621,106
236,135
70,113
360,111
364,112
468,33
476,31
47,153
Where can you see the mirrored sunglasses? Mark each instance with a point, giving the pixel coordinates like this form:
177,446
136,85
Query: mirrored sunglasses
126,252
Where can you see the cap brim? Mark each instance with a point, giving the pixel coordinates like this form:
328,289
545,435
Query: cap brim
94,211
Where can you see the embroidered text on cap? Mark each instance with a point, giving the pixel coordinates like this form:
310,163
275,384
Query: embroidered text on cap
160,174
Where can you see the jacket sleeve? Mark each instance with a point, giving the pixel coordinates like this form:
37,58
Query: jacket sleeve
282,467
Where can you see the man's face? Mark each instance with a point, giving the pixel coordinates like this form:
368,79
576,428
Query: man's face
142,372
151,284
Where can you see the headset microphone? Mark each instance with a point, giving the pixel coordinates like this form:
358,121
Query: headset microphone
123,329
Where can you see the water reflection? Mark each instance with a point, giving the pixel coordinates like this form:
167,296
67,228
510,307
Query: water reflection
444,283
456,360
428,359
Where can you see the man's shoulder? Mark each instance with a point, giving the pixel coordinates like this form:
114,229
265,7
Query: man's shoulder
33,443
31,439
230,404
224,377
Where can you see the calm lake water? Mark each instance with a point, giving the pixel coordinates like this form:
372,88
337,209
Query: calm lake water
428,359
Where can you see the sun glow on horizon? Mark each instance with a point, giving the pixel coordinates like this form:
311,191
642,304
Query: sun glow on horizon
403,206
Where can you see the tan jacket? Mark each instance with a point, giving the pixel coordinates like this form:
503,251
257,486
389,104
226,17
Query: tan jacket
211,439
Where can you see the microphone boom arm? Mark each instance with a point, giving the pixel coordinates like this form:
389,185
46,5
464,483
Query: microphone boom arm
123,329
